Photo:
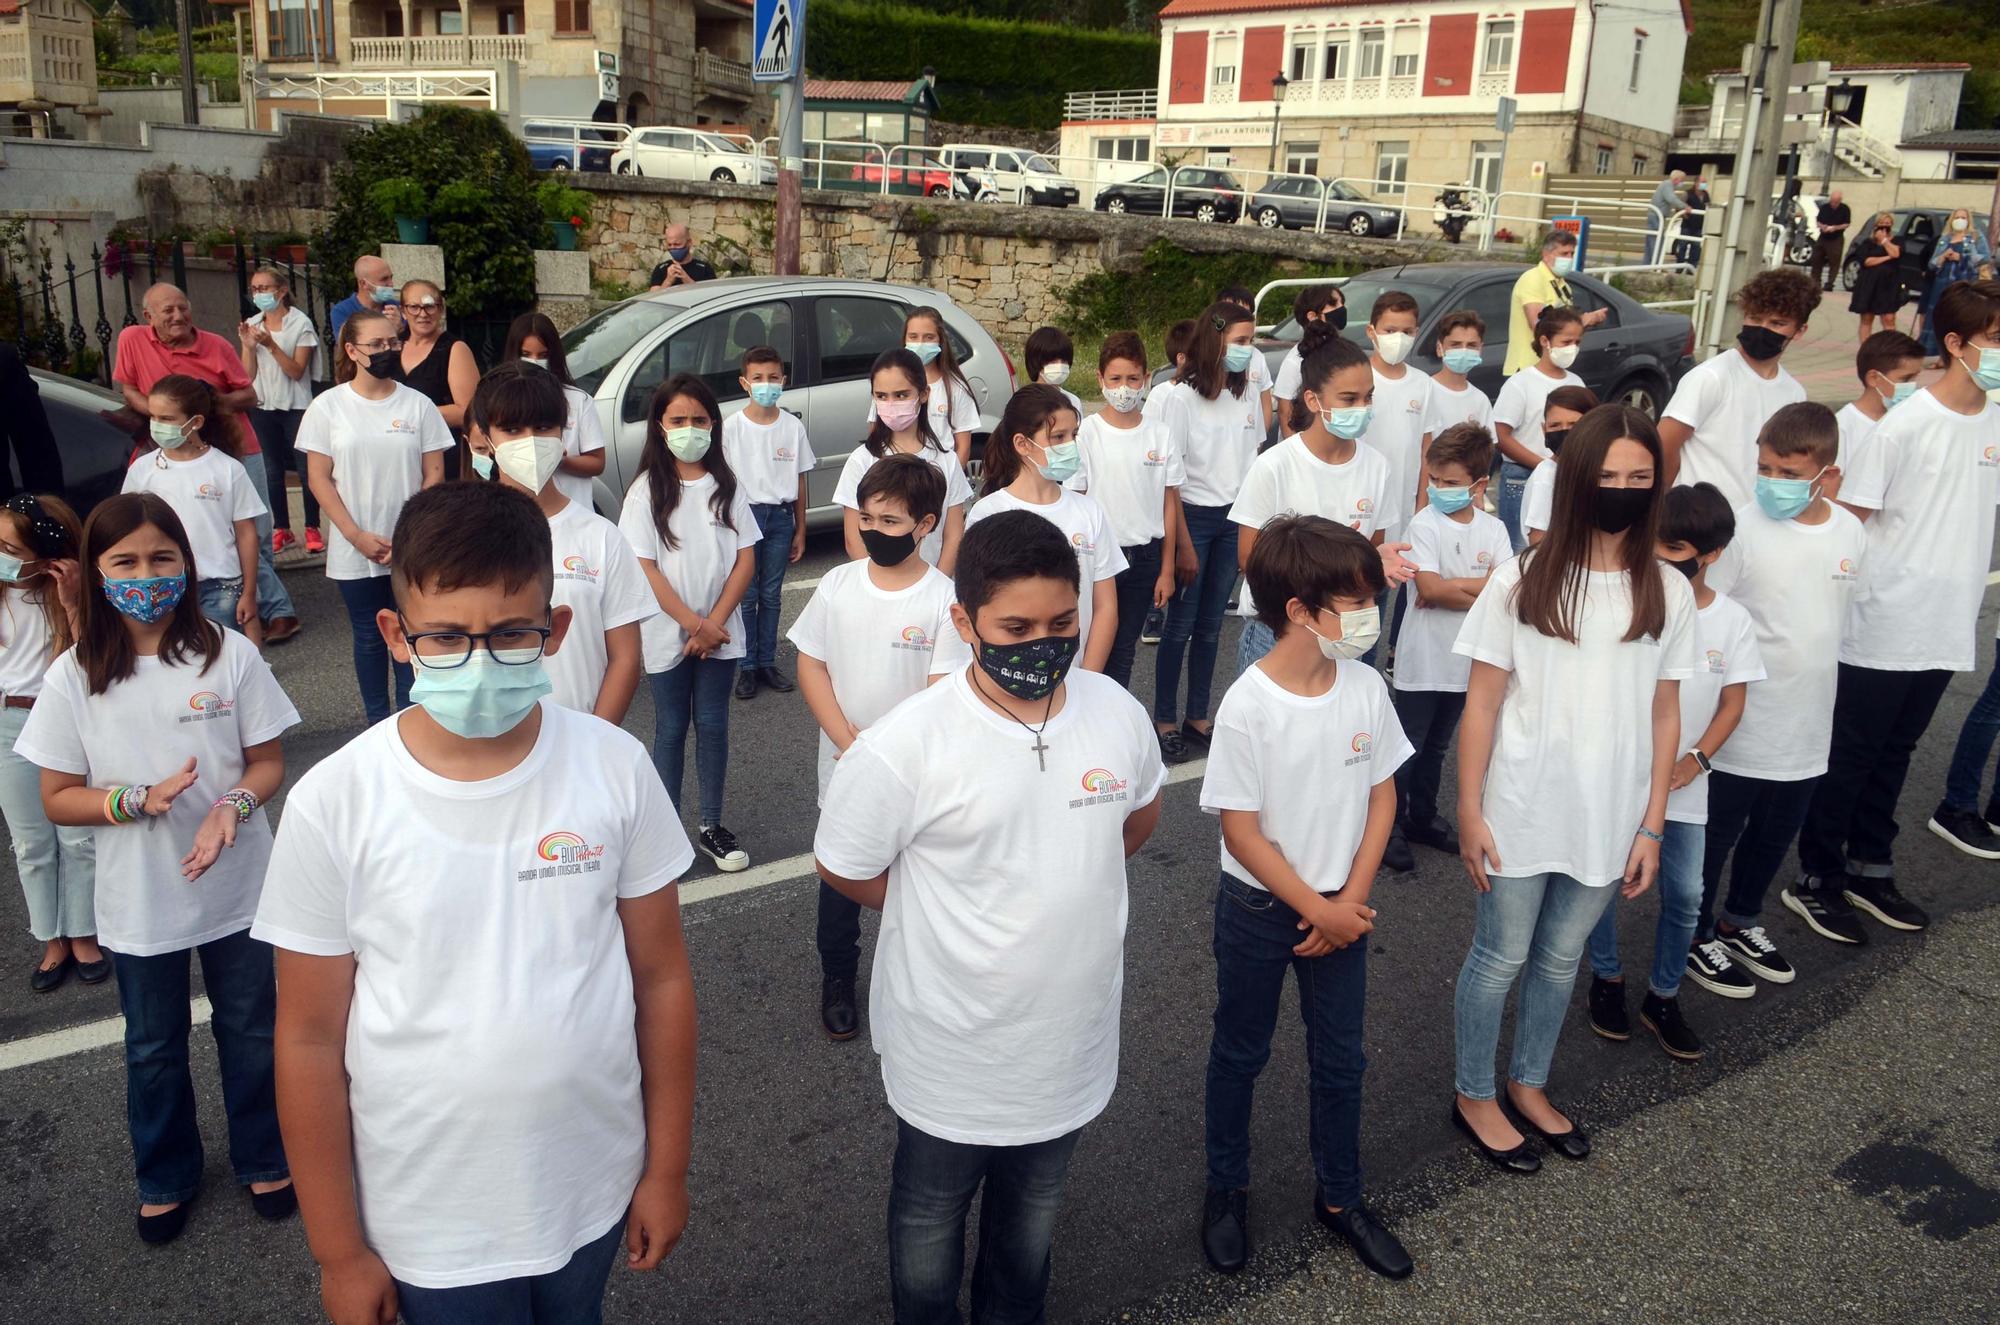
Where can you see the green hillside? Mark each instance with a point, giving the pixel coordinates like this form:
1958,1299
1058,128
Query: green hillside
1862,32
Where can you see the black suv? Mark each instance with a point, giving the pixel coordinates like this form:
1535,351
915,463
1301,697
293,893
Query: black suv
1917,233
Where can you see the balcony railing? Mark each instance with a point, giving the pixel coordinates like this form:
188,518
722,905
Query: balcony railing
434,52
715,75
1138,103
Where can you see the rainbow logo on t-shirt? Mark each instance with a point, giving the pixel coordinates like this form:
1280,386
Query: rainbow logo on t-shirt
206,701
564,846
1993,455
915,635
1847,565
1362,743
1715,661
576,563
1098,781
1155,458
1364,504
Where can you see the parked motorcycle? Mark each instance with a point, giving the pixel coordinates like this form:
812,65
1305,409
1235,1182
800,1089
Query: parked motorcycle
1455,209
974,186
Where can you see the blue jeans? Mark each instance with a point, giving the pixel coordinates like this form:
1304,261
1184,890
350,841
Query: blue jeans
1513,482
573,1295
1537,921
58,866
1975,742
1758,820
767,585
930,1193
1256,640
1680,910
1135,599
1430,720
363,599
159,1090
1195,615
695,692
1254,936
272,599
218,601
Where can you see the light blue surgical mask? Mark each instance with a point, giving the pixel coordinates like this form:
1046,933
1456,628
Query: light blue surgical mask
1901,392
766,393
480,698
1783,498
1064,459
169,436
482,464
1348,423
1449,501
1237,357
264,300
925,350
1462,361
1987,374
385,294
1563,266
11,568
689,444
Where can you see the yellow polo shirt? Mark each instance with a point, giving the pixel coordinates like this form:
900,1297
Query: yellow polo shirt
1537,285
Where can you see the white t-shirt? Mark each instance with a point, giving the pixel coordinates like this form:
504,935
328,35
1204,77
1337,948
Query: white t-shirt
1523,398
769,458
24,643
1931,476
1215,440
957,491
140,731
1572,764
880,646
210,493
582,433
1727,404
1305,764
1855,430
1128,471
1083,523
1449,408
274,389
1538,494
1288,479
697,566
1443,546
1396,433
1725,654
377,448
492,1067
999,969
1290,381
1797,582
598,579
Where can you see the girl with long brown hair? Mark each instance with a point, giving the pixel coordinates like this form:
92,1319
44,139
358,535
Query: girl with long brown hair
1571,730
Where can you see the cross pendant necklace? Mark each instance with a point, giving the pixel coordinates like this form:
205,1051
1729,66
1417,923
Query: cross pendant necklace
1040,747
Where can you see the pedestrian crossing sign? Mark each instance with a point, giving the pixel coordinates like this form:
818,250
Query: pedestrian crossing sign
777,26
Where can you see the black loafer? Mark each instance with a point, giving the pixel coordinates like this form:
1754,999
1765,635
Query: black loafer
278,1203
1194,738
47,978
156,1229
746,683
1225,1229
773,679
94,973
836,1009
1520,1159
1437,835
1376,1246
1396,855
1173,750
1573,1144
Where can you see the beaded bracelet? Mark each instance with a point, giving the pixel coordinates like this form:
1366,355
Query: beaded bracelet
240,799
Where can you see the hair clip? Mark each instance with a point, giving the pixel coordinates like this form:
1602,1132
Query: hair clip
51,538
1219,322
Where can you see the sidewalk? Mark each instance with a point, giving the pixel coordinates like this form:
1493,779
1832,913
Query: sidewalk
1823,358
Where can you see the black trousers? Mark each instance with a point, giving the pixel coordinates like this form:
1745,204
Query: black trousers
1878,718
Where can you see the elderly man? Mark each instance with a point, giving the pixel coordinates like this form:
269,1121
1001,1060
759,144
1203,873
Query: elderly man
1833,220
374,290
1547,282
681,266
1666,203
169,342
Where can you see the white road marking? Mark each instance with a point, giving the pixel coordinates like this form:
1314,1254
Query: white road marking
1992,578
76,1039
795,586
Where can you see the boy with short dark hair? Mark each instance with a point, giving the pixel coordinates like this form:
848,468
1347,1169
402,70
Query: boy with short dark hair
770,454
1402,402
1888,365
1305,748
995,995
875,632
485,1071
1461,346
1696,524
1926,484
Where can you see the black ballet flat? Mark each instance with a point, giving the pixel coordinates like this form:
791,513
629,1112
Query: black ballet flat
1573,1144
1520,1159
160,1228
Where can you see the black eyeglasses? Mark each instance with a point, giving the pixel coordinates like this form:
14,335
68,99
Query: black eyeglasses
442,650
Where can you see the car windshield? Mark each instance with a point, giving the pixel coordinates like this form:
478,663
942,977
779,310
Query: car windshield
1343,192
715,144
1038,165
594,348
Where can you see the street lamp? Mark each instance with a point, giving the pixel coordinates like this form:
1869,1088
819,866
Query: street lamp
1278,86
1839,100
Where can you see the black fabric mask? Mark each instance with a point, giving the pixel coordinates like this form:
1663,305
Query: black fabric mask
888,549
386,364
1553,439
1618,509
1761,343
1337,319
1031,669
1688,566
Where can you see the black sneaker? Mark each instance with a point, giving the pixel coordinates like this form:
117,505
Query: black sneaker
1662,1016
1965,830
1436,834
1397,855
1880,899
1824,908
1607,1009
1709,966
1156,624
1992,815
746,683
719,845
1225,1229
1753,950
1173,750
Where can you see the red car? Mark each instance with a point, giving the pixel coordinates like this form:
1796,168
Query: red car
905,174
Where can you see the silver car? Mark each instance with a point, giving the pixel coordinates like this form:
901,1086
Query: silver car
829,331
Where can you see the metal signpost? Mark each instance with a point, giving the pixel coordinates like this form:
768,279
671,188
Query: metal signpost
778,32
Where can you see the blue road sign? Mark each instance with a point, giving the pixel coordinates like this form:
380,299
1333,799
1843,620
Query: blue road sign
776,26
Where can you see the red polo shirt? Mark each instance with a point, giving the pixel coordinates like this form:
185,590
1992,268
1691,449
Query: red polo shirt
143,360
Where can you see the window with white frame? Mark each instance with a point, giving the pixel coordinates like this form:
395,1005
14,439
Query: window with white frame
1403,66
1638,55
1222,63
1335,67
1302,158
1485,172
1373,43
1301,67
1499,47
1605,156
1392,166
1123,149
1639,163
1404,47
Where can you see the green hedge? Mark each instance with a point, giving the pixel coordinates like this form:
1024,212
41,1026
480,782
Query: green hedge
989,71
1171,284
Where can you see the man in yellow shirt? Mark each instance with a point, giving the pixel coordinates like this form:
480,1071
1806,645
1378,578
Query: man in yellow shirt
1542,284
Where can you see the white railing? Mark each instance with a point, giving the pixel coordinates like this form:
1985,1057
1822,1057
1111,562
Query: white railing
416,85
722,74
1138,103
1874,153
396,52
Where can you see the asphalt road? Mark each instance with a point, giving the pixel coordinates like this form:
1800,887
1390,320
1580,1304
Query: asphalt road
793,1139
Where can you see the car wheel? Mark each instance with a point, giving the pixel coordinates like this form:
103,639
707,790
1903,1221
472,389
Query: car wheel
722,175
625,168
1268,218
1205,212
1644,394
1849,275
1360,226
938,190
1115,205
1800,255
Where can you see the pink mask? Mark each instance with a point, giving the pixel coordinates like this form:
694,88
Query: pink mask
897,415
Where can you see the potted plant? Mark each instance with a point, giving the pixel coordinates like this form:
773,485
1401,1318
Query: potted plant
402,200
220,245
289,247
567,211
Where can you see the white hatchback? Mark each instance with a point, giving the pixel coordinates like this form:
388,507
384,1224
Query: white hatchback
690,154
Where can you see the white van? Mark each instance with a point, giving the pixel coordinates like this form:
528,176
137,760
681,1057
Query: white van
693,154
1019,175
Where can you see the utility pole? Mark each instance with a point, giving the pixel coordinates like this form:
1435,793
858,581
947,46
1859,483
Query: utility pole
791,160
1767,69
190,104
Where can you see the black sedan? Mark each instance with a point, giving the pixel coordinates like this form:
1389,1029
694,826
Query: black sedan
1199,192
1293,204
1919,230
1636,356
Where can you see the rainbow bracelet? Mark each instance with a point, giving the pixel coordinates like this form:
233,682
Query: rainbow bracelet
240,799
124,805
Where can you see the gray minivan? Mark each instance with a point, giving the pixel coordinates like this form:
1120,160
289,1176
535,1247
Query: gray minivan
829,331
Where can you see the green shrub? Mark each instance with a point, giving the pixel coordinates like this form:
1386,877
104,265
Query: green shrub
560,202
397,196
1172,284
